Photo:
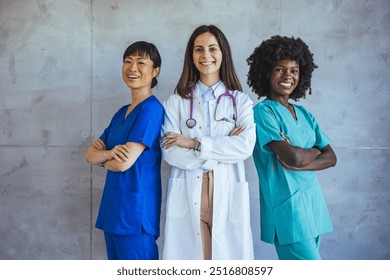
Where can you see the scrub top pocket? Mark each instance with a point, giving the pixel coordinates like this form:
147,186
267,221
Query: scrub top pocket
291,218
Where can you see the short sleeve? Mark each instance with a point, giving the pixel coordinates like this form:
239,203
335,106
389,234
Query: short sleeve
148,125
267,126
106,131
322,139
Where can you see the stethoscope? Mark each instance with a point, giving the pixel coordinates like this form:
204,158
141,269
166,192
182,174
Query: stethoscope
191,122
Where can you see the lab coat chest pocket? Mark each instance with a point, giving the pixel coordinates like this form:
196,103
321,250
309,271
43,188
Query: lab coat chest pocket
177,205
239,204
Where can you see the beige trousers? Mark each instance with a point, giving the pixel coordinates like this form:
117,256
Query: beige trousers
206,213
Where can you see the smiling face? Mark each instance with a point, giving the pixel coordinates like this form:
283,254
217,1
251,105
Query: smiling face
284,78
207,56
138,72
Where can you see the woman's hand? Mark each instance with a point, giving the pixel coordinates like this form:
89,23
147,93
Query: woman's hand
237,130
99,144
172,139
120,152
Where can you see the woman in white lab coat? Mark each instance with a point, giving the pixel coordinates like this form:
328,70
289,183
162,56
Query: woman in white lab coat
208,132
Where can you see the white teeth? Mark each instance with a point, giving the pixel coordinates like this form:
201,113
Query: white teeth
132,77
286,84
206,63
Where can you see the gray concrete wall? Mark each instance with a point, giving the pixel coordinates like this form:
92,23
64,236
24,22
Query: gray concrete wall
60,83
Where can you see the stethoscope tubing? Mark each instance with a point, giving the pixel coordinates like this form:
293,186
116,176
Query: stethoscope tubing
191,122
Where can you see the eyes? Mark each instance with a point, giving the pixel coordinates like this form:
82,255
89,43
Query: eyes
211,49
281,70
139,61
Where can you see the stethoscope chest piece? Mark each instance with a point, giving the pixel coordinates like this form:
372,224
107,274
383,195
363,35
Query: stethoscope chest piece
191,123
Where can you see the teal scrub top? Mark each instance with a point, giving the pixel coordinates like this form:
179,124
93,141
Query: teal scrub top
131,200
292,205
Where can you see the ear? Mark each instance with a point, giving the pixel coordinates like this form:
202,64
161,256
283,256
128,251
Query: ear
156,71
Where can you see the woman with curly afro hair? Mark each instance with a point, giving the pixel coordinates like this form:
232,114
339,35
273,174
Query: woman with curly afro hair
290,148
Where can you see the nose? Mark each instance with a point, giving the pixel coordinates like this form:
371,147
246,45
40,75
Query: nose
133,67
206,53
287,76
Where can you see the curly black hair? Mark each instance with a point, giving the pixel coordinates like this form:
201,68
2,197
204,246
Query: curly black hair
264,57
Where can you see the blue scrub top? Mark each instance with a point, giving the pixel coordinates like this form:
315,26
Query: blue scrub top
131,200
292,205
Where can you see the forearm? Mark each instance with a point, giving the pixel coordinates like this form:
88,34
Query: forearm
229,149
238,144
95,156
114,165
182,158
326,159
125,156
319,163
303,157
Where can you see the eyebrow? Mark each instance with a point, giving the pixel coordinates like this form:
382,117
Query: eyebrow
208,45
279,65
138,58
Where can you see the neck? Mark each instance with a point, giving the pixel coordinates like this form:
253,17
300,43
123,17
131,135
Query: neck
282,100
139,95
209,80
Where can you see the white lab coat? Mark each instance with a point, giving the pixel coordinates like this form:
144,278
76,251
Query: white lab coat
231,232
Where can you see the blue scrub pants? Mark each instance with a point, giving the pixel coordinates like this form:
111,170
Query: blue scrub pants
305,250
141,246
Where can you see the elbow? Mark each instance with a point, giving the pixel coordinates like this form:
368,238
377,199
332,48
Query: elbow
333,161
247,155
86,157
89,159
122,167
331,158
116,166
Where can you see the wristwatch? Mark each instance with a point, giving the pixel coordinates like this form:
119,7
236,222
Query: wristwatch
197,145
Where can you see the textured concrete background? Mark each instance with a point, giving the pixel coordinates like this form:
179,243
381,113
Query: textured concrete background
60,83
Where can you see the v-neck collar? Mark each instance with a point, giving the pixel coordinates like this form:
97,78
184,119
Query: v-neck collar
124,117
296,119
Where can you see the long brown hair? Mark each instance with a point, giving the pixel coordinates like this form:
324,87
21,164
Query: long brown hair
190,74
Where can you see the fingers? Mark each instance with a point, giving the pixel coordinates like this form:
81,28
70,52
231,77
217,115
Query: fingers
99,144
169,135
237,130
168,140
121,153
169,143
172,139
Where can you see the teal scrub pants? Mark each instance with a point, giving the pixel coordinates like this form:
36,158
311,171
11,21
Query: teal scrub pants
141,246
305,250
